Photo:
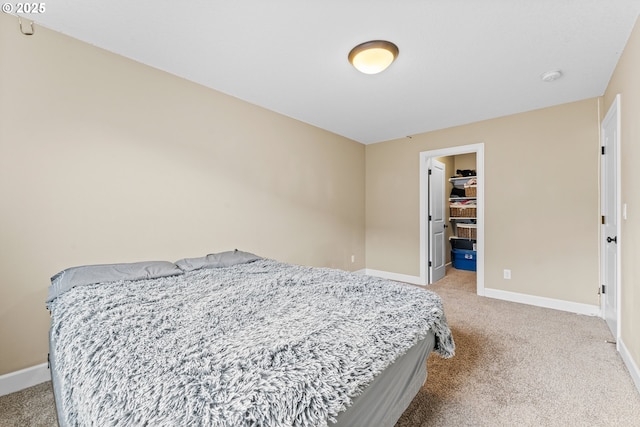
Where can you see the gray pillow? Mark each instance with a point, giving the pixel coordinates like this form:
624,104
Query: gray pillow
89,274
222,259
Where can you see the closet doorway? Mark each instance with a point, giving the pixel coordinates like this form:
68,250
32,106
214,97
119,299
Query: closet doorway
465,155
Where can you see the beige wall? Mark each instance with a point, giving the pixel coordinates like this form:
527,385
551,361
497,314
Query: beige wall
105,160
465,161
541,200
626,83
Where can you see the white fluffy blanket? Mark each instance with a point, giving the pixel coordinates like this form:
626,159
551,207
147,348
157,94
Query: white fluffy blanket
257,344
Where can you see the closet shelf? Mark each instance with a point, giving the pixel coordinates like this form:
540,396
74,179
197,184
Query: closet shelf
461,178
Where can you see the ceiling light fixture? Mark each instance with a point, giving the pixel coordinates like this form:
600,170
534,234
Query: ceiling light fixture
550,76
374,56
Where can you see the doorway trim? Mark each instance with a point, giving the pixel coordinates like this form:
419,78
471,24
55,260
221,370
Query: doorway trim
478,149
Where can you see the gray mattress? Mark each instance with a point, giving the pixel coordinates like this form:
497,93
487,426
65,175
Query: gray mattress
391,392
255,343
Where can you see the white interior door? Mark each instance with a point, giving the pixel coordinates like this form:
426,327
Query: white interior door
609,206
437,221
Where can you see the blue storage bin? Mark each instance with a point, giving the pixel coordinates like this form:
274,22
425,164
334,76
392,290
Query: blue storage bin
463,259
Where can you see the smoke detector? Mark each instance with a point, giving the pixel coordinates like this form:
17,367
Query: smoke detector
550,76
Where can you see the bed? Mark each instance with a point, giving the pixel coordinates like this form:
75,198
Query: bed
233,339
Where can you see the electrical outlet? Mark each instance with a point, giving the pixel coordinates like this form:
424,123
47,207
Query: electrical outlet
507,274
353,258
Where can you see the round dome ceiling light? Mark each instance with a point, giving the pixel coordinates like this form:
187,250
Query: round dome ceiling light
374,56
551,76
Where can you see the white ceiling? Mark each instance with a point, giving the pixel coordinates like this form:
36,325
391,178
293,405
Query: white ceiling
460,61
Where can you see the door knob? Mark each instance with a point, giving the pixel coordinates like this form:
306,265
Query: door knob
612,239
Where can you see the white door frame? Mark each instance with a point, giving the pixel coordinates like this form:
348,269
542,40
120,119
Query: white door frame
424,208
612,113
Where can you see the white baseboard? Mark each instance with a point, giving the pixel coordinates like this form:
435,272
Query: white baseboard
572,307
630,363
24,378
414,280
556,304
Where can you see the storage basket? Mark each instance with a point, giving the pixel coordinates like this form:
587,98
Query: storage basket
468,231
470,191
462,211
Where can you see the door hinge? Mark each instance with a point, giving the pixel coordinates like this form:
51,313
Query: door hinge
429,217
429,263
603,221
602,150
429,171
602,289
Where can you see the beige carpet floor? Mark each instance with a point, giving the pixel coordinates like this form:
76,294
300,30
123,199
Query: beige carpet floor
519,365
515,365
